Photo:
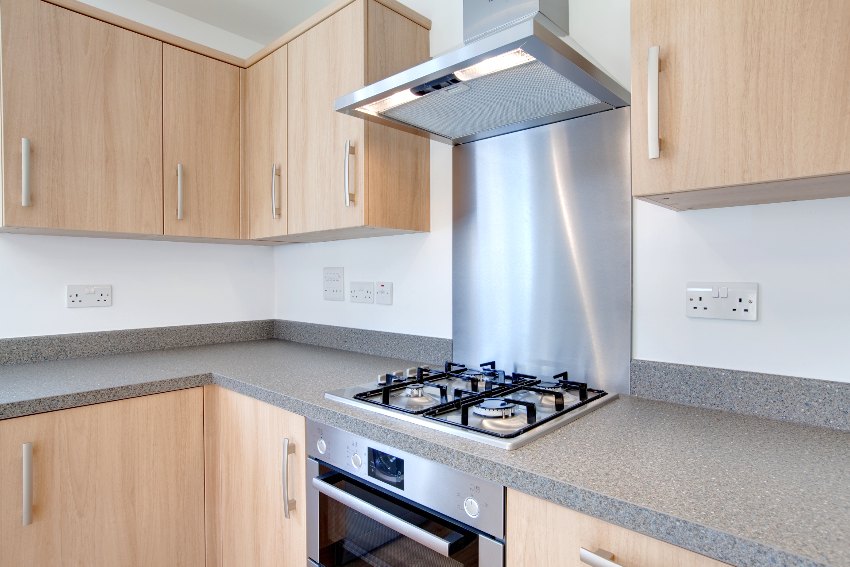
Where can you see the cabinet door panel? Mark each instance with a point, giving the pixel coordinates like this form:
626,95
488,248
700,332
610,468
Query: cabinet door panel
738,102
88,96
324,63
534,524
244,457
264,143
119,483
200,132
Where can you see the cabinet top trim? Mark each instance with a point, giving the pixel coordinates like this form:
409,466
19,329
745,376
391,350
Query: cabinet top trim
165,37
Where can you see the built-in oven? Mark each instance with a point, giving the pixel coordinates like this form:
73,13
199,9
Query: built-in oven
372,505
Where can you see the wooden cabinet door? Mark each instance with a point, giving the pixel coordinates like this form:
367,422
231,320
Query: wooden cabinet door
201,134
119,483
738,102
325,63
88,97
533,525
264,165
244,488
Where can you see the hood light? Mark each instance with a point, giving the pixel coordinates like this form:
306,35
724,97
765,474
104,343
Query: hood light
489,66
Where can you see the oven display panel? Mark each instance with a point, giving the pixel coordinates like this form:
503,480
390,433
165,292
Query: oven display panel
386,468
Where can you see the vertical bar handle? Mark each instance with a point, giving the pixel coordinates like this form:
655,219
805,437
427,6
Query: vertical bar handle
179,191
288,504
652,103
598,558
349,151
275,206
26,195
26,516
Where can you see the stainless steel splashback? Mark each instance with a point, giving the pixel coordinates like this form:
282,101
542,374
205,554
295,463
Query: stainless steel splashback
542,250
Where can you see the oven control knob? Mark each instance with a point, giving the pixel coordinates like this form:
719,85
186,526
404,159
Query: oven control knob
321,446
470,506
356,461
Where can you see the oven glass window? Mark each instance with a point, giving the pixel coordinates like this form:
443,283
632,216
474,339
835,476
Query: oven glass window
347,537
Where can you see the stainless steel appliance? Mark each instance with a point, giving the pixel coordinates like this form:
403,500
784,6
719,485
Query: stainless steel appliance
518,69
369,504
486,404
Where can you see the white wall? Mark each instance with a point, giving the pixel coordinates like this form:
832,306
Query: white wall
419,265
154,283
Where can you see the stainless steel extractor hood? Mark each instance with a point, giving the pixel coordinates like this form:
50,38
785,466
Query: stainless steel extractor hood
518,69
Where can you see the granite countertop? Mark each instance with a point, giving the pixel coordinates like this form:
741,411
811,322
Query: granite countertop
744,490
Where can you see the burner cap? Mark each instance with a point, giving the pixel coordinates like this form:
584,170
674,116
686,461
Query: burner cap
494,407
415,391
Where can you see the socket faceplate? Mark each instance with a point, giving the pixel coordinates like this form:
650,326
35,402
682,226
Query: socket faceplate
722,300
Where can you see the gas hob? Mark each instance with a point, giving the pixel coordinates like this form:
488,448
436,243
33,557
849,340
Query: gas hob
486,404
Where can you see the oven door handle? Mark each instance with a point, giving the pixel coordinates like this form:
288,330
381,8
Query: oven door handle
406,529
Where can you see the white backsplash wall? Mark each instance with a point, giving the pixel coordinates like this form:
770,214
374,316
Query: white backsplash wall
154,283
799,253
419,265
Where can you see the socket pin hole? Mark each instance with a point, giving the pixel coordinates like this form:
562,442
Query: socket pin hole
734,310
746,310
740,300
705,308
700,298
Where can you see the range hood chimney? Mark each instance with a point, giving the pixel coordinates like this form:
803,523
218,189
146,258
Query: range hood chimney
518,69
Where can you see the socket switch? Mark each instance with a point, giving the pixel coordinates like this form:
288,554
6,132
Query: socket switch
384,293
333,284
722,300
362,292
88,296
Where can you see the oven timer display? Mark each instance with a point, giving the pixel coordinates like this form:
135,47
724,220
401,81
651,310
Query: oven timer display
386,468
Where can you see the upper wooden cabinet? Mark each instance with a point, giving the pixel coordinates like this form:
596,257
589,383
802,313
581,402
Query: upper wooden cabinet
264,154
200,145
753,101
88,98
120,483
531,542
246,520
347,178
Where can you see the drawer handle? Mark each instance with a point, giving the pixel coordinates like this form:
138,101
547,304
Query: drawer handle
288,449
26,195
349,151
652,103
598,558
275,206
179,191
26,516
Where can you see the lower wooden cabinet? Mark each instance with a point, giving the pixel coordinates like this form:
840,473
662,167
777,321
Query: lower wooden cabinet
119,483
245,492
534,524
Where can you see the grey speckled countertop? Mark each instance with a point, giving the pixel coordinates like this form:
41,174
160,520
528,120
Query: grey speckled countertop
744,490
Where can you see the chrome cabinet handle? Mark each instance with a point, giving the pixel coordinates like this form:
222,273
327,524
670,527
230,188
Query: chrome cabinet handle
26,516
179,191
652,103
598,558
288,505
26,195
275,206
406,529
349,151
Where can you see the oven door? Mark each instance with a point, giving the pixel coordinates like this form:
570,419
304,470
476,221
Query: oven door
353,523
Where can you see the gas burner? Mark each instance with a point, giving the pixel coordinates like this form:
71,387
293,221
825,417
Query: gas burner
494,407
416,390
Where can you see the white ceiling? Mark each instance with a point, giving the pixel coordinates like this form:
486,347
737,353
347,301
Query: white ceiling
258,20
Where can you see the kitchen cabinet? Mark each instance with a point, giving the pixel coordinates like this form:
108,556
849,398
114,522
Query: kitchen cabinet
249,476
200,145
347,178
119,483
264,153
87,98
745,116
531,542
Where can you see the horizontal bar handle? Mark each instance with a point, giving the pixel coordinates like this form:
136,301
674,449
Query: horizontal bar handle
406,529
598,558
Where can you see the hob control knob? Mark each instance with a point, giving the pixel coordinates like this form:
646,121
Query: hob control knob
356,461
321,446
470,506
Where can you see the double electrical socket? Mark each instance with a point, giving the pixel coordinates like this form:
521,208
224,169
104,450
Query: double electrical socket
88,296
333,285
722,300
